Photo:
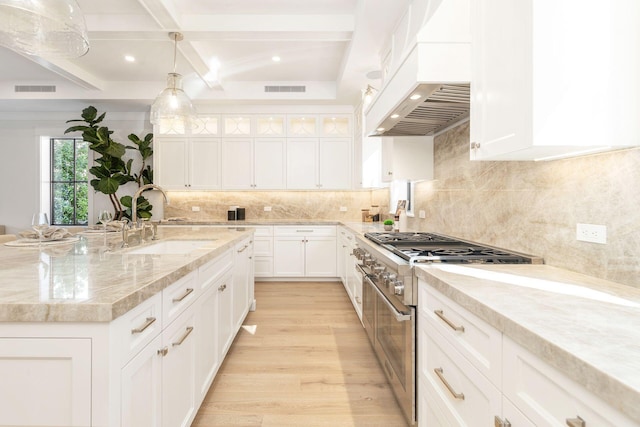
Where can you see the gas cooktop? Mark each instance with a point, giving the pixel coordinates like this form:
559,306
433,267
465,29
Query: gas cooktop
431,247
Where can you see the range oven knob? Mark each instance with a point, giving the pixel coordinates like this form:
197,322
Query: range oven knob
398,287
379,270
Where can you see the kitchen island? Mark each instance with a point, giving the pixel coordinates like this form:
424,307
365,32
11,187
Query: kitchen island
92,334
565,343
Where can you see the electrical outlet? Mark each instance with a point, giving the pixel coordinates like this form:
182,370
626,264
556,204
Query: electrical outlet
267,208
421,214
591,233
343,208
195,208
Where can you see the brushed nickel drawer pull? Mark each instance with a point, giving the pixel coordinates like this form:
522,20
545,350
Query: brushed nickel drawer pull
186,294
221,288
148,322
304,231
498,422
453,326
184,337
243,248
163,351
440,375
576,422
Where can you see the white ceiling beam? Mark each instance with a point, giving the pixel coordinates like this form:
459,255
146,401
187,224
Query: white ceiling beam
163,12
69,71
268,23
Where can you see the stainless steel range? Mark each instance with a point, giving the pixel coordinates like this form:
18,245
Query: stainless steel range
390,296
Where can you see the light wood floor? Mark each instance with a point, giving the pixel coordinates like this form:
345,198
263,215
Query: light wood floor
306,363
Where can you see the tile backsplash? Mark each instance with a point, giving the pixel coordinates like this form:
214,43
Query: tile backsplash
534,207
284,204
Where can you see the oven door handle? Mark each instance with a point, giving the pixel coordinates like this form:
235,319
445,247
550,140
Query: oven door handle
400,316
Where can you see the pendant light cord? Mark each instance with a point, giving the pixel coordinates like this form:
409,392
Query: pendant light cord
175,50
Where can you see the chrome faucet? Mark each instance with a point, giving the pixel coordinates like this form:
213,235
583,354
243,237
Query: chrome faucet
134,202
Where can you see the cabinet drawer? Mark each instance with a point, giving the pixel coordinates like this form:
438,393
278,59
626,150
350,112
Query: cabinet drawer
263,266
139,327
548,397
478,341
263,246
295,230
177,297
263,231
446,372
211,271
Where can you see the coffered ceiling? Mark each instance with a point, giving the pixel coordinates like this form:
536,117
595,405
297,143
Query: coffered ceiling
326,46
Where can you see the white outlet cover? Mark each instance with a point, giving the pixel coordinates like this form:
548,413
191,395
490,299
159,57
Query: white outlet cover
591,233
267,208
343,208
195,208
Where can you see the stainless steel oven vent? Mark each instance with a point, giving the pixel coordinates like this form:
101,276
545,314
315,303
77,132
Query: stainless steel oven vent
444,105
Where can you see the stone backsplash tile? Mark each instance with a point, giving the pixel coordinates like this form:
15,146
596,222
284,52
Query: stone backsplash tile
533,207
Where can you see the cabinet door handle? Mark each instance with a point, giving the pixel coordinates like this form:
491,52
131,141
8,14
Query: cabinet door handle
243,248
221,288
576,422
439,372
146,324
186,294
184,337
475,145
499,422
163,351
453,326
304,231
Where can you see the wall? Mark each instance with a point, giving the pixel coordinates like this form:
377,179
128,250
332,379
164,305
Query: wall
533,207
20,171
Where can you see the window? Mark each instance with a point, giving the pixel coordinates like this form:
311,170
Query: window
401,190
69,181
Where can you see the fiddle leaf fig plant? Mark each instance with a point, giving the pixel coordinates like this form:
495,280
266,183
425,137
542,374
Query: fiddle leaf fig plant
111,170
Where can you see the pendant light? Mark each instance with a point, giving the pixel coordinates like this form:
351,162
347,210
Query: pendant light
54,28
172,104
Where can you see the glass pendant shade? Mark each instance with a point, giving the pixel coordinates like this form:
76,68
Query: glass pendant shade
172,104
43,27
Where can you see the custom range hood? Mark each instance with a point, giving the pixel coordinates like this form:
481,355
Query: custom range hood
428,90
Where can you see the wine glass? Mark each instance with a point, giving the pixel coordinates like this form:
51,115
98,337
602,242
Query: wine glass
39,223
105,217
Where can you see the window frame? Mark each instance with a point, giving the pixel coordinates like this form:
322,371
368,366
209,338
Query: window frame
52,182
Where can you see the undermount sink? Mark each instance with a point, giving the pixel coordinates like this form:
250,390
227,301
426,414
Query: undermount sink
171,247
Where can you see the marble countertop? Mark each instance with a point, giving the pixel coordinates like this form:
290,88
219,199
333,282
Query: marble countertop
585,327
81,281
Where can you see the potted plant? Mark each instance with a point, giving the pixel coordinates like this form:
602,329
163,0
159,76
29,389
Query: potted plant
112,170
388,224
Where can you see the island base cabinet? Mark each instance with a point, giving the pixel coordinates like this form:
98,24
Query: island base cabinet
459,394
64,399
178,371
141,388
548,397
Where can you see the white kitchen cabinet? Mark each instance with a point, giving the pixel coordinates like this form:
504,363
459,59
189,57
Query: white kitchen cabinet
407,158
63,399
270,126
302,125
263,251
178,371
187,163
548,397
305,251
335,126
240,125
224,312
141,388
542,69
318,163
242,281
253,164
351,279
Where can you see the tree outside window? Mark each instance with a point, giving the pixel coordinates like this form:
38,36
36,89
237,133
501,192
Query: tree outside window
69,181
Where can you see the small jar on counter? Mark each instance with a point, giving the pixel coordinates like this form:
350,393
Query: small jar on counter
366,216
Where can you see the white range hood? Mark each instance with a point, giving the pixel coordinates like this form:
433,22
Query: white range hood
437,67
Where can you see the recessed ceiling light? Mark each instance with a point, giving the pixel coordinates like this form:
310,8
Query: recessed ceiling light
395,116
275,58
129,58
380,129
415,96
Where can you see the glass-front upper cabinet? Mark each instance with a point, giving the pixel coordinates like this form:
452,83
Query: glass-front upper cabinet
335,125
237,126
270,126
303,125
206,125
